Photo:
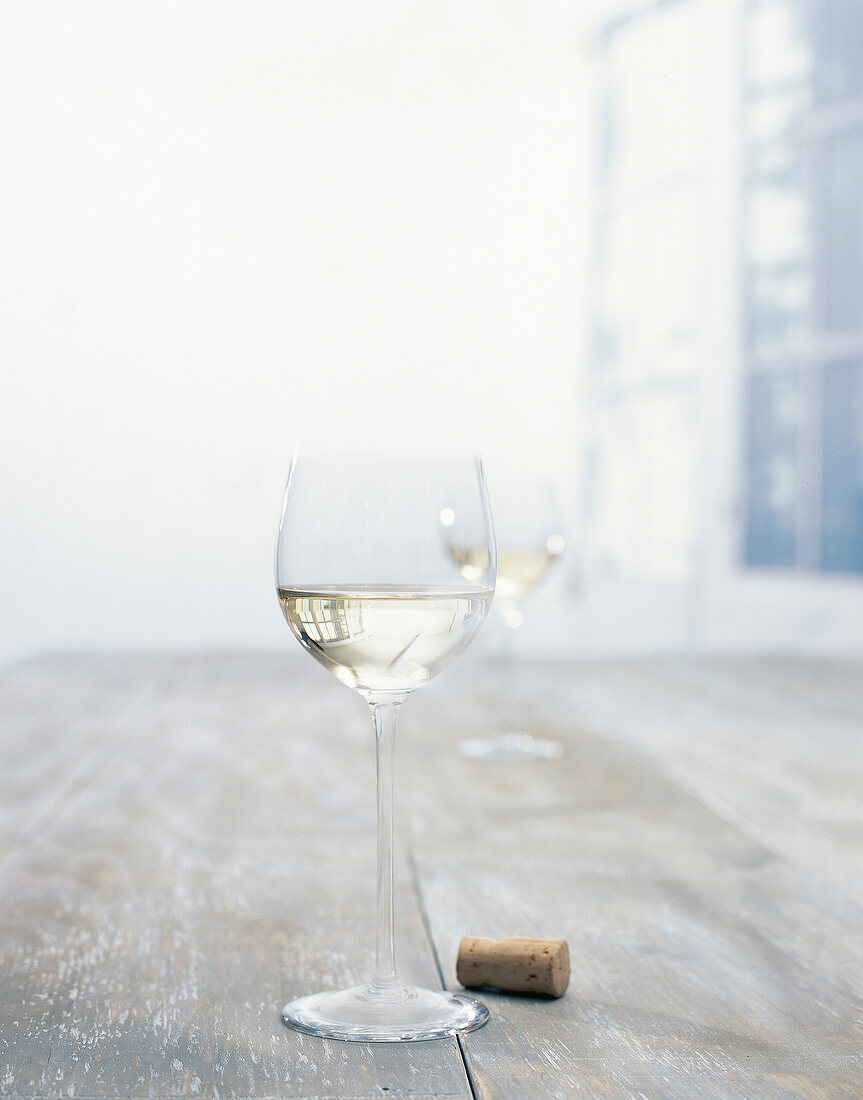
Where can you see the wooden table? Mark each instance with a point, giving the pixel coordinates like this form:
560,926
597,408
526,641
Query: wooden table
188,842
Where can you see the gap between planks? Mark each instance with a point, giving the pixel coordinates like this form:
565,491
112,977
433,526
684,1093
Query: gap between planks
413,870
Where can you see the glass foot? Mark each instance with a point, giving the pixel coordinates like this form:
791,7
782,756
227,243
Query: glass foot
510,745
365,1015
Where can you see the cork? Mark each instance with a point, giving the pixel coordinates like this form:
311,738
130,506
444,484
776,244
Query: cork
517,965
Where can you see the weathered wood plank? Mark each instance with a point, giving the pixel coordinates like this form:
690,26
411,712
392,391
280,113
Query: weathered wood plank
55,720
706,963
219,861
189,843
772,745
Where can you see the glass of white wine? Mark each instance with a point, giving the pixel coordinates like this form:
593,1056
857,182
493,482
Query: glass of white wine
368,588
530,541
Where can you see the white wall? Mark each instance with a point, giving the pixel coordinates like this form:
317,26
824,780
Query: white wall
226,229
228,226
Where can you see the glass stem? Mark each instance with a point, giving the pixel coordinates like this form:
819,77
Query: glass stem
384,715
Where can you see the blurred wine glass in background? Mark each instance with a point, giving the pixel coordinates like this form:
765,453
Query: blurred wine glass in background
530,541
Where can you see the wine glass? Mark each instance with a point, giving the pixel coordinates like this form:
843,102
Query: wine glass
529,539
368,589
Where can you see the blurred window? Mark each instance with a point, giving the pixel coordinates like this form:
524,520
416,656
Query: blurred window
639,480
800,74
802,284
837,43
774,421
842,476
778,278
838,216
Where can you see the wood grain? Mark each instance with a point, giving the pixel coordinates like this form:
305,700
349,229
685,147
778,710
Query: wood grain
706,960
218,861
186,843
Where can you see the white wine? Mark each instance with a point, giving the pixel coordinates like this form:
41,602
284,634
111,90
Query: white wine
517,570
386,639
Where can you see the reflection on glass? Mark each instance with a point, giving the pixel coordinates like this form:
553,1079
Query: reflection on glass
837,36
842,476
778,248
774,415
839,209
